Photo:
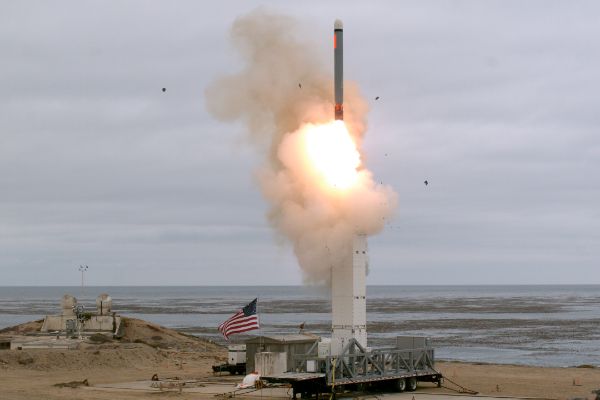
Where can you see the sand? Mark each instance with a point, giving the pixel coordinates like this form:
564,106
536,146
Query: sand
522,381
149,349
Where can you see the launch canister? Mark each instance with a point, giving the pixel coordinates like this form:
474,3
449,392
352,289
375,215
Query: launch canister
338,68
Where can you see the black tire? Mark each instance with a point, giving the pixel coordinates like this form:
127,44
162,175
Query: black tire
411,384
400,385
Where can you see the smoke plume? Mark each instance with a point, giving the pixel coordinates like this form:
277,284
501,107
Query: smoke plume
282,94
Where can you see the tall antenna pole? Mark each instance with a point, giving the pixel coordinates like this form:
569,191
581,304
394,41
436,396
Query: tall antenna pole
82,269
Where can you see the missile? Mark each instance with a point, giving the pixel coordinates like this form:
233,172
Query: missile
338,68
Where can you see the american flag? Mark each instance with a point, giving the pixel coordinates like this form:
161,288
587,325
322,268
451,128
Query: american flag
243,321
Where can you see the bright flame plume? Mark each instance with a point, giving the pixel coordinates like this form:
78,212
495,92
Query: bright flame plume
332,153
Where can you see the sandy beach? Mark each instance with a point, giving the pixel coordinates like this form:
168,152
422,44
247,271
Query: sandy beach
149,349
27,382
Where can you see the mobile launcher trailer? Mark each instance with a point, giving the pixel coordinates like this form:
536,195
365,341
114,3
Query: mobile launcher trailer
396,368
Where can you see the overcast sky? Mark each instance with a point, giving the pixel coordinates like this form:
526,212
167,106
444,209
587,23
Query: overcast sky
496,104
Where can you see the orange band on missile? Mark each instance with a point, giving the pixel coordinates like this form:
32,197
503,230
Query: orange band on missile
335,40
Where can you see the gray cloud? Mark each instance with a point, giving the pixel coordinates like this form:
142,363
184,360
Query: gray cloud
495,103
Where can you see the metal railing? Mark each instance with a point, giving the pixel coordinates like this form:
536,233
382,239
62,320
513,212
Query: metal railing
355,364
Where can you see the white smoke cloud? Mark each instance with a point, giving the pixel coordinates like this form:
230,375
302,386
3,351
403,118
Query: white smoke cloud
318,220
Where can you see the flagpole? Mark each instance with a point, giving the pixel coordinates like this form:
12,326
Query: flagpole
260,333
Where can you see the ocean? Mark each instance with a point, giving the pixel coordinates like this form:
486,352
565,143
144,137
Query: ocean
528,325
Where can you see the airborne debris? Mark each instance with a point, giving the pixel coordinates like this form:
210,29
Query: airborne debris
426,183
164,89
300,85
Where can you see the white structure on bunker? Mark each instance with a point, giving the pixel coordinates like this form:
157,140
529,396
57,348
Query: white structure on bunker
102,320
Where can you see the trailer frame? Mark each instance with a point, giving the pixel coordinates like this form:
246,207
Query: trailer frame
360,368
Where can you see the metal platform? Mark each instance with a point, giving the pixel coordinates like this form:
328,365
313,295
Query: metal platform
293,377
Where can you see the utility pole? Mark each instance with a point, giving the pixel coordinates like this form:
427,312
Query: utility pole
82,269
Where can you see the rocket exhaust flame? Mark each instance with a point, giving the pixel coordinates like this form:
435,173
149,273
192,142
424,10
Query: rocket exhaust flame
332,153
319,190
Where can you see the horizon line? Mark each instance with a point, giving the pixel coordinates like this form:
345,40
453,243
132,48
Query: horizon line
318,286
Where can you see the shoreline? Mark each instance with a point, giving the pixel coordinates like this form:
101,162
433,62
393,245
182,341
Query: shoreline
451,361
554,327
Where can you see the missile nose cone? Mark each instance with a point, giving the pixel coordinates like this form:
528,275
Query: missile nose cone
338,24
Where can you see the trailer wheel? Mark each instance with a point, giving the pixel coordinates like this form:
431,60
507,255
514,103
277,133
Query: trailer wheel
411,384
400,385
